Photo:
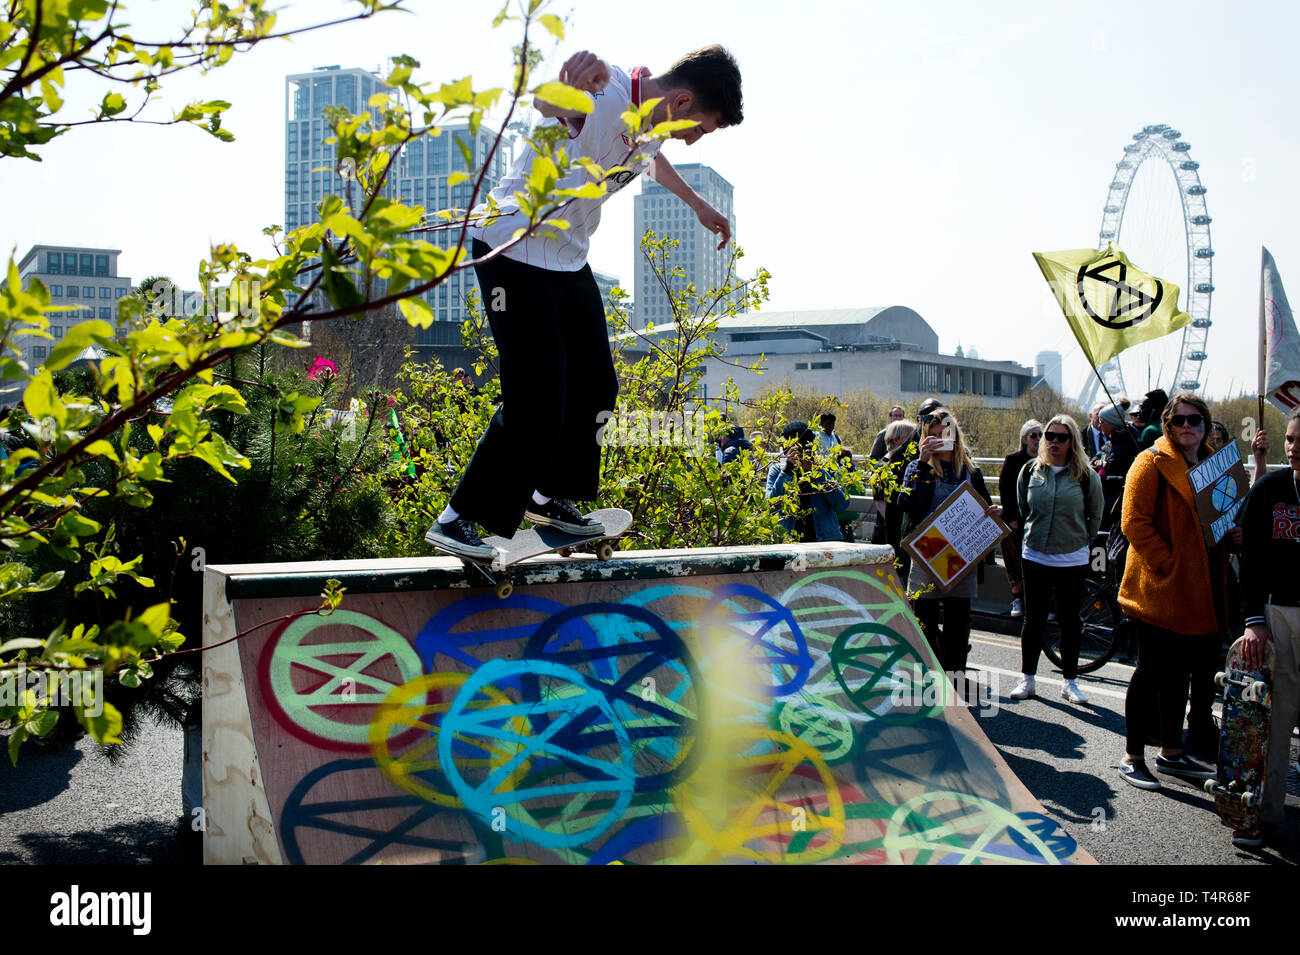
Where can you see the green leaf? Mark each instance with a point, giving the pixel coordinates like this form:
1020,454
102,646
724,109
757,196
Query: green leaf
335,281
106,727
20,643
41,399
15,741
590,190
417,311
565,97
553,24
42,723
465,153
102,448
76,340
112,104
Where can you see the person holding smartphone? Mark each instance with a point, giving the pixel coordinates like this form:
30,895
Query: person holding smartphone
942,465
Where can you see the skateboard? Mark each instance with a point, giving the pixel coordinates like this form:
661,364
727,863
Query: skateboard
542,539
1243,738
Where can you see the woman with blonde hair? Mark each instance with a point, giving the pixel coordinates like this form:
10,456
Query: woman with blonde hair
943,464
1059,496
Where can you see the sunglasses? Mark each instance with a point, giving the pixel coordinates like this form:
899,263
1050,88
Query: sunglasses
1057,436
1190,420
1034,434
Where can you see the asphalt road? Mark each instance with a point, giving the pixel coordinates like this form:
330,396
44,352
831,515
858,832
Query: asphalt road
1067,756
78,807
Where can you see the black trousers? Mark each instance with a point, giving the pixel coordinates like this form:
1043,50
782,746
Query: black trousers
556,377
1159,686
951,644
1048,589
1207,660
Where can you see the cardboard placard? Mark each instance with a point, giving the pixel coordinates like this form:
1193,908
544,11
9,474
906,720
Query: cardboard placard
952,541
1220,484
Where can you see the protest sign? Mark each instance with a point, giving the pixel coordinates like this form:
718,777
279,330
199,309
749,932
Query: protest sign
1220,484
952,541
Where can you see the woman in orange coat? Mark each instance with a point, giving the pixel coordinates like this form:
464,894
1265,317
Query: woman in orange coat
1171,588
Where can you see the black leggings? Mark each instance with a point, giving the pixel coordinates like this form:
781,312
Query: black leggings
950,645
1158,686
1047,589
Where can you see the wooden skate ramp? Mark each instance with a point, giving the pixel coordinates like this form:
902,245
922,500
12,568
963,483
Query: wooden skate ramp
772,705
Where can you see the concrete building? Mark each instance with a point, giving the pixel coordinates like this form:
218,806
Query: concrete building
1047,365
606,284
418,178
662,212
79,276
892,351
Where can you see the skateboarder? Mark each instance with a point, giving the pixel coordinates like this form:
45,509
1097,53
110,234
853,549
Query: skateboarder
1271,602
545,310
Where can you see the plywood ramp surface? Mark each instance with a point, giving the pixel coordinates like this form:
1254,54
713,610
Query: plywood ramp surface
772,705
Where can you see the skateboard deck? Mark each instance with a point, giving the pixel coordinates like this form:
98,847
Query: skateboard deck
535,541
1243,738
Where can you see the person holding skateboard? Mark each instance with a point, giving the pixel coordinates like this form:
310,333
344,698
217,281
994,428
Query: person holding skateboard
546,312
1270,589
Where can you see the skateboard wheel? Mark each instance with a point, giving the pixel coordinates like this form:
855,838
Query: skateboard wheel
505,589
1249,799
1211,785
604,551
1218,678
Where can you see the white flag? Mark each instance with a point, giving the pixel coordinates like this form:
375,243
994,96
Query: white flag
1279,344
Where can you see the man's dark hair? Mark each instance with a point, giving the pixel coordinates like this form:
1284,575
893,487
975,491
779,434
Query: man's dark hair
798,431
712,76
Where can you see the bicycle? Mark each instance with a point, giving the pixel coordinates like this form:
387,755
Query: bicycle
1099,612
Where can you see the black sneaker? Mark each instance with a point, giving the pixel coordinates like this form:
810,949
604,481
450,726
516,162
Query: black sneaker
1137,774
460,537
1184,767
563,516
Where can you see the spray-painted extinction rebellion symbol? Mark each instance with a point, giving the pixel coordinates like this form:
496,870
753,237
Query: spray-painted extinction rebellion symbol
1122,305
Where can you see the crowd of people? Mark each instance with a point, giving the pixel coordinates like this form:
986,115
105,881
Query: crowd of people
1123,477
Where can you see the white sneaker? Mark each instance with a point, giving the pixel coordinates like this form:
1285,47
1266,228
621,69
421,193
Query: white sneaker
1017,607
1072,692
1024,689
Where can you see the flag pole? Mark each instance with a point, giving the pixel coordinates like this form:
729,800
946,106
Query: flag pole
1101,381
1263,356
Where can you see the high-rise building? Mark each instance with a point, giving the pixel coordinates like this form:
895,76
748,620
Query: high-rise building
1047,365
697,253
418,177
79,276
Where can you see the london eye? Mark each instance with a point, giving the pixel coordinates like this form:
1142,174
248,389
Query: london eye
1121,223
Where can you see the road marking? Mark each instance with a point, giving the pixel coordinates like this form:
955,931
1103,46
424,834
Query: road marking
1088,691
1008,644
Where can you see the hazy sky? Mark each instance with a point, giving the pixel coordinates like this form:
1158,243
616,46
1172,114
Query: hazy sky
911,154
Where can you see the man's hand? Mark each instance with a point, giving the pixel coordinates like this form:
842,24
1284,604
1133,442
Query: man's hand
585,71
1252,651
715,222
993,510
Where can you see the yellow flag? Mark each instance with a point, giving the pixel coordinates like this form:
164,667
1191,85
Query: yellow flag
1109,304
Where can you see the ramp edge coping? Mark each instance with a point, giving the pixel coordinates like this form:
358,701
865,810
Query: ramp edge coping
403,575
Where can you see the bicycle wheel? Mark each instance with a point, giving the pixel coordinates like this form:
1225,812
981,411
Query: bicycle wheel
1099,614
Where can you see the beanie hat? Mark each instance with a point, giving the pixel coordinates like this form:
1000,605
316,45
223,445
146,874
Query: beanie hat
1112,415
